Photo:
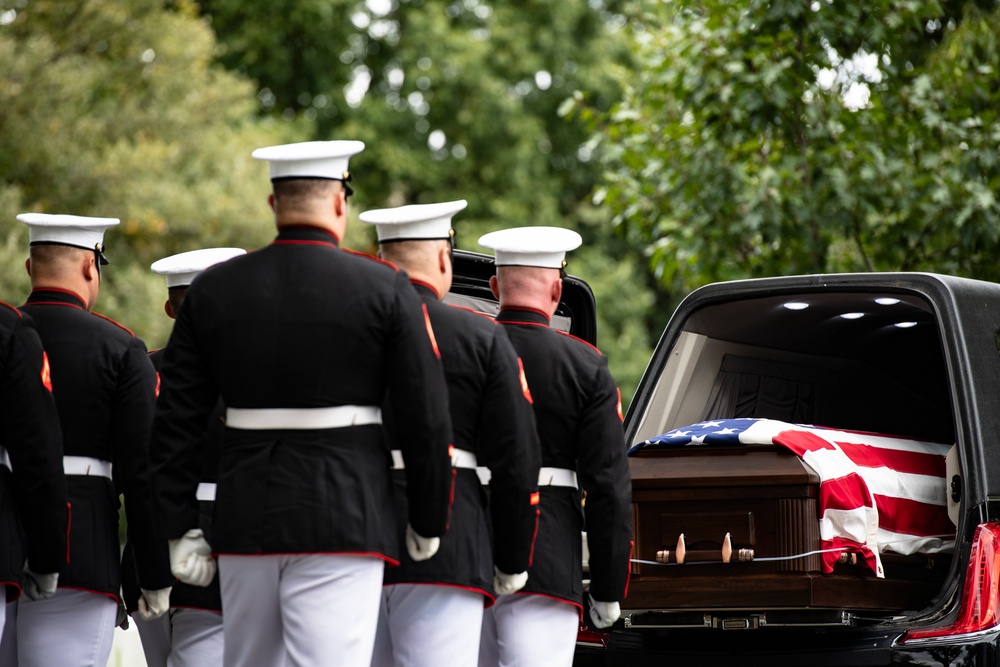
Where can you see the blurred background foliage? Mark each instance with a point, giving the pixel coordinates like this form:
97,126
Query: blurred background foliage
787,137
688,141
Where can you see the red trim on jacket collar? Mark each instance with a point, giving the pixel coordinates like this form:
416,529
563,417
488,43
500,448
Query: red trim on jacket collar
305,235
58,298
421,283
512,310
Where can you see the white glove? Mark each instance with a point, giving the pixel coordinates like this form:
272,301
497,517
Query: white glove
504,583
603,614
191,559
420,547
153,604
39,586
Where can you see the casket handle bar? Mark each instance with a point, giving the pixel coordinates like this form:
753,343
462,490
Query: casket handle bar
681,554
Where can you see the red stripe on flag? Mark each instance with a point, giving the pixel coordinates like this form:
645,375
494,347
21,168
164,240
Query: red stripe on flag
917,463
844,493
911,517
801,442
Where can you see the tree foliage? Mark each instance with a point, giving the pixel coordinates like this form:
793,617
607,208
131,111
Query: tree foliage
766,138
117,109
457,99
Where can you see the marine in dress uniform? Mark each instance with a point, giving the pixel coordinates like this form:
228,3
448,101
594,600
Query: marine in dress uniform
190,634
105,392
432,610
33,504
301,340
578,413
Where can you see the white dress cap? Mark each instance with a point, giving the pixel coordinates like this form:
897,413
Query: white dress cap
181,269
310,159
72,230
416,222
544,247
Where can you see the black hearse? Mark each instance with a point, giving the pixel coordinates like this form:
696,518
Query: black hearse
909,356
912,355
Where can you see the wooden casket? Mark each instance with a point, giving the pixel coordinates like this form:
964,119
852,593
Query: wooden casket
765,499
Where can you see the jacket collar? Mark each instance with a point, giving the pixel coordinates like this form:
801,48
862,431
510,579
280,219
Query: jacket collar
305,234
55,296
519,315
424,290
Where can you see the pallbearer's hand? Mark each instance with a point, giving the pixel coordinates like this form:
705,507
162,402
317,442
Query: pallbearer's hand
420,547
191,559
39,586
504,583
153,604
603,614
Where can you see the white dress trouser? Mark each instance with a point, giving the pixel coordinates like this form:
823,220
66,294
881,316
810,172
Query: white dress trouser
182,638
427,625
8,629
300,611
71,629
529,631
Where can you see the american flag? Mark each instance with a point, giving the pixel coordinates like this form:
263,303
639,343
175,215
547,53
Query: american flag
877,492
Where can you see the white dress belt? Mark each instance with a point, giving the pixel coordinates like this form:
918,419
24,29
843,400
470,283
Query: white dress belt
557,477
302,418
5,459
460,458
85,465
546,477
206,491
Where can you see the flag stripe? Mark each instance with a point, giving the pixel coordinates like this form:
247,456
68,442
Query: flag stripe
844,493
900,515
899,460
920,488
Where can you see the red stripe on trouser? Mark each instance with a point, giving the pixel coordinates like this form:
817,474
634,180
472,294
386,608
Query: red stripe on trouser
534,535
628,572
451,497
69,522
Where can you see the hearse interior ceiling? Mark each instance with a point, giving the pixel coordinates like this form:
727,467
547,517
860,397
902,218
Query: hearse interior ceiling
872,362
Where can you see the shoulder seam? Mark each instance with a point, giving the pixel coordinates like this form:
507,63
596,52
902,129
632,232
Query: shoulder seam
474,312
577,338
372,258
14,308
117,324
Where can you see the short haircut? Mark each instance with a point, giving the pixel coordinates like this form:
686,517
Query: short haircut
52,260
303,188
49,252
407,252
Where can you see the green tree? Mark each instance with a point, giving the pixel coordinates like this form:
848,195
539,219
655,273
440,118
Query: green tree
117,109
766,138
457,100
